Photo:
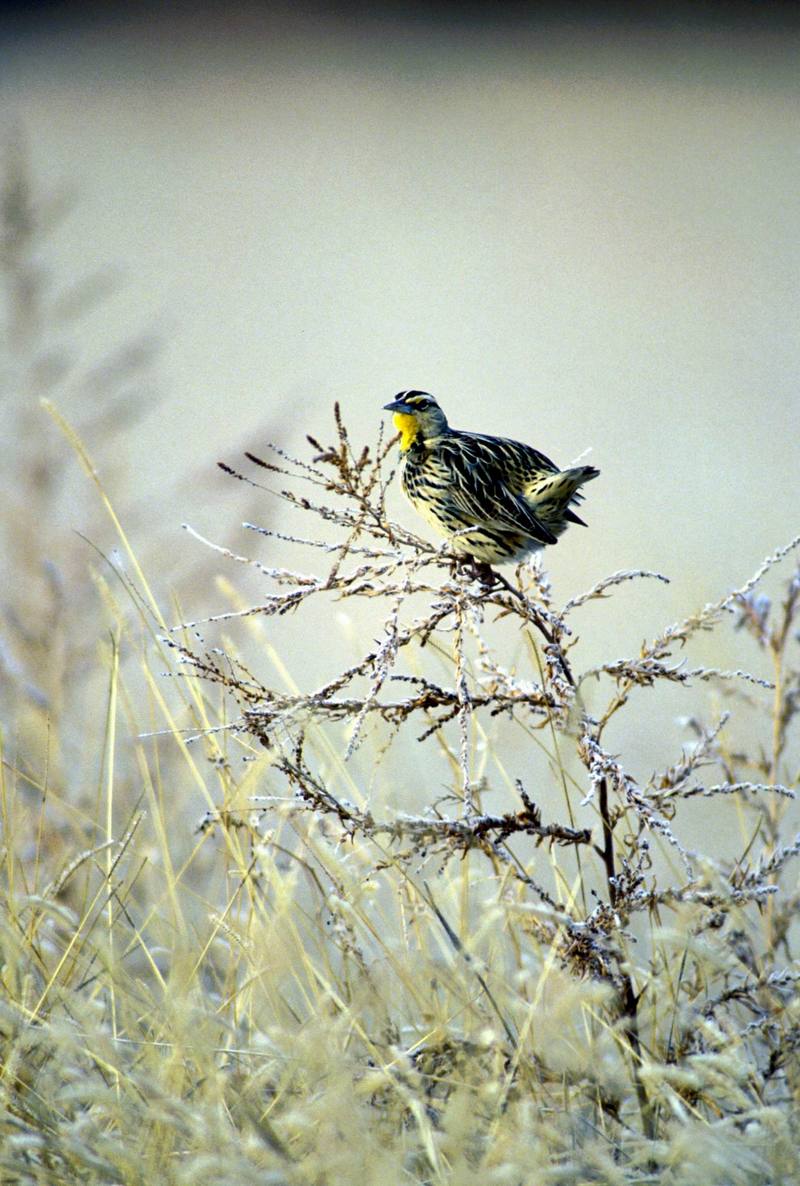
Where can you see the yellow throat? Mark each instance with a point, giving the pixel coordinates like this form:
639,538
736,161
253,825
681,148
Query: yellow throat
408,427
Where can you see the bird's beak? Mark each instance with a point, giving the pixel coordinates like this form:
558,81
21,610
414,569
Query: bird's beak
395,406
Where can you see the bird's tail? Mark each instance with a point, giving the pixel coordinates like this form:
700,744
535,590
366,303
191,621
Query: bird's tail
553,493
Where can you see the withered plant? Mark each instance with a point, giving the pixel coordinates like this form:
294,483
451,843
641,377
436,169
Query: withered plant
677,962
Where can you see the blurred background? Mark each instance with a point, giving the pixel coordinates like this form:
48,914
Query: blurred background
585,234
581,232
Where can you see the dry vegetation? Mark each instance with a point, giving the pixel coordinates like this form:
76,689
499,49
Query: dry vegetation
351,969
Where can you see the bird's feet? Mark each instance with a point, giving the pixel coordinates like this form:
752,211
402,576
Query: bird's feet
477,570
480,570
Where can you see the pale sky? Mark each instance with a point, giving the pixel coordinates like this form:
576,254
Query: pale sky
582,238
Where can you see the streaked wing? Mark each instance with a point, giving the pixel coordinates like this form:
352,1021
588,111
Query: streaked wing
516,458
480,487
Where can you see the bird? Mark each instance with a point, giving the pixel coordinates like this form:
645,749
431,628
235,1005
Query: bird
497,500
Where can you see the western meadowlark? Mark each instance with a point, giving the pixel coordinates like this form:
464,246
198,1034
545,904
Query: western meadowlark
498,500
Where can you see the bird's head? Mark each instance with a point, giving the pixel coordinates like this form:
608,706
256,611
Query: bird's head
417,416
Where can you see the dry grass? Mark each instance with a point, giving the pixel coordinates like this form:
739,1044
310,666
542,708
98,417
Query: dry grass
430,928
